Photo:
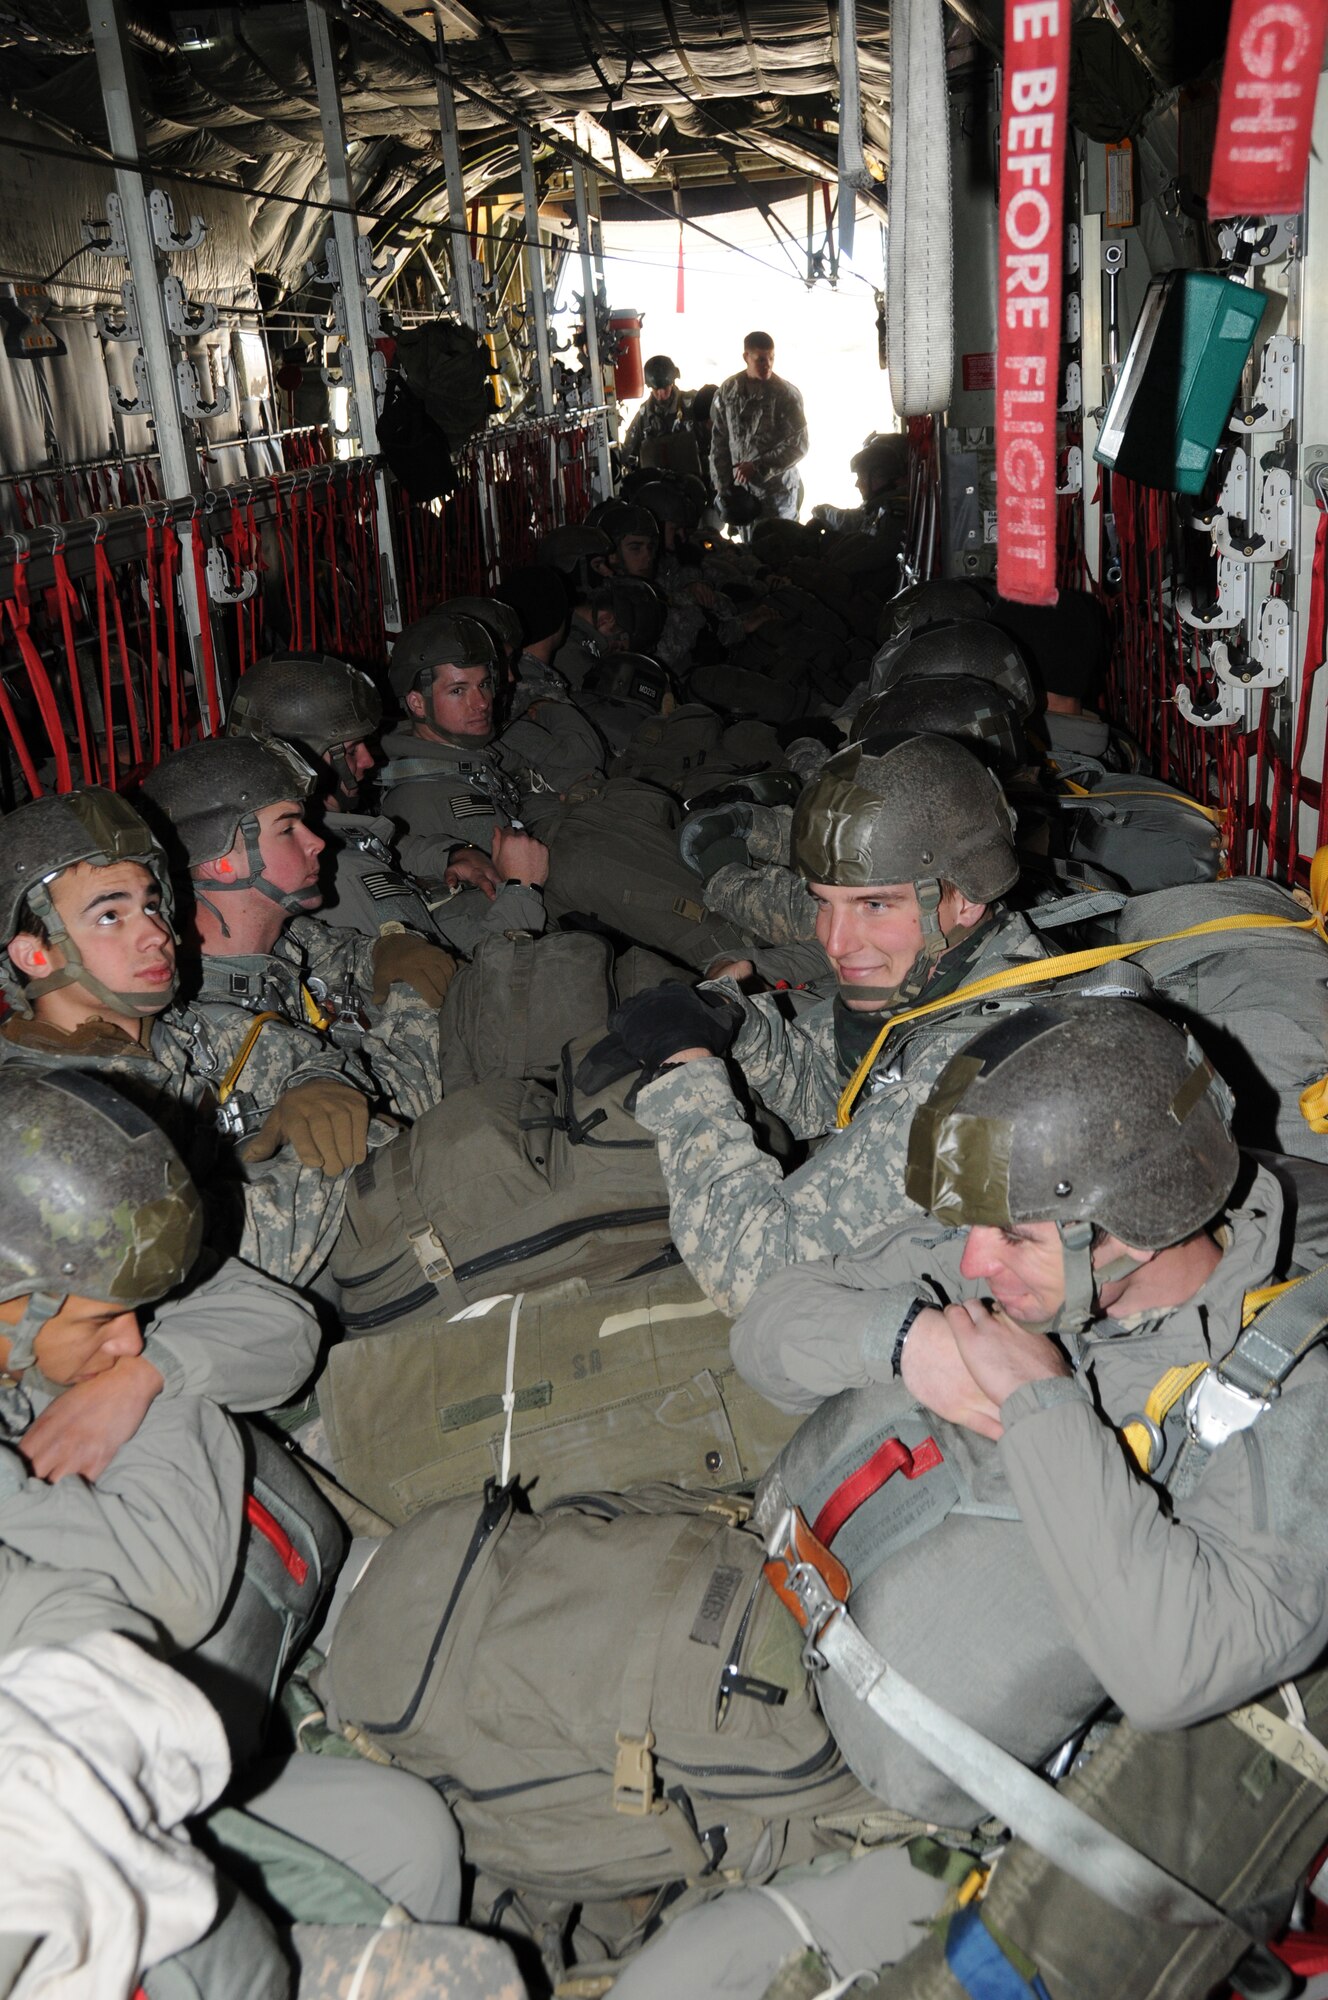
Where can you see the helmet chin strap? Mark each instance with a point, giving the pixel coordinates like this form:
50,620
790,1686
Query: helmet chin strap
935,943
74,971
295,905
1083,1279
38,1308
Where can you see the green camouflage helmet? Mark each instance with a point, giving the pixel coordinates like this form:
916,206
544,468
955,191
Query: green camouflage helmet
982,651
925,811
499,620
440,639
571,549
1087,1113
310,699
96,1201
973,711
42,839
210,792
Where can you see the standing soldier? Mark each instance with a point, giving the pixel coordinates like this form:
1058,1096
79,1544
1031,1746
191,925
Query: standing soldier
664,413
758,434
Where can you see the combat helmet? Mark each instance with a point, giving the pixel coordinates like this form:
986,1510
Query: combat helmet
982,650
668,501
442,638
661,371
501,621
573,549
42,839
311,699
96,1201
943,600
974,711
1092,1114
620,518
924,811
210,792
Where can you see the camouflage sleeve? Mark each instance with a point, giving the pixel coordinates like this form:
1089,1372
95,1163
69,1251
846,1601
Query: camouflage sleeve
400,1051
292,1214
630,448
410,1962
770,838
733,1216
791,444
282,1056
769,901
239,1338
789,1062
815,1329
162,1523
721,455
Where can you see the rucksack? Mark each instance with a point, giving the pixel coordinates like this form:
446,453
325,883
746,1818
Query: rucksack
667,747
505,1186
446,365
1145,833
1255,1000
608,1694
632,1382
509,1012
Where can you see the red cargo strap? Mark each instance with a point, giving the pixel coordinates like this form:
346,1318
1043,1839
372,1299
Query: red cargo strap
20,617
1269,77
891,1457
66,598
256,1514
1028,338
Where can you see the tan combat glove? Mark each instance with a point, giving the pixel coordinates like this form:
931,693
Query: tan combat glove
400,955
324,1120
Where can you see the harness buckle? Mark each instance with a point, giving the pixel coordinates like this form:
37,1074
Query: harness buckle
807,1579
634,1776
1216,1409
431,1253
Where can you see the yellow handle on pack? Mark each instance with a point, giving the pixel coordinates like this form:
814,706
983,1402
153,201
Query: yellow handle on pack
245,1050
313,1013
1216,814
1039,972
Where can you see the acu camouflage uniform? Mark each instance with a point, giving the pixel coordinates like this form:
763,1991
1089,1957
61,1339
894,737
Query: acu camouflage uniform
764,422
733,1216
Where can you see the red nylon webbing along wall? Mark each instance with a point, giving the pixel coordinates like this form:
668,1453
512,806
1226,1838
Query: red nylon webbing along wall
96,678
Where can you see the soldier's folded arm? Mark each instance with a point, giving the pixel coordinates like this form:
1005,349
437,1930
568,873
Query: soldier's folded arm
239,1338
819,1327
1179,1614
162,1523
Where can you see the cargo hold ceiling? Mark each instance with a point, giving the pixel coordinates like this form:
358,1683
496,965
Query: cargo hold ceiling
690,92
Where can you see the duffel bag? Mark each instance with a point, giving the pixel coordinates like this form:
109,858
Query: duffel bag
608,1693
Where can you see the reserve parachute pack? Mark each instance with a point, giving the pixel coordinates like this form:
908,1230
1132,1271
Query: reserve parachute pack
607,1693
513,1184
633,1382
665,748
1145,833
1255,1000
290,1550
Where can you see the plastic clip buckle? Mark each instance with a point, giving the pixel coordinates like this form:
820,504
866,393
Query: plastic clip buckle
634,1775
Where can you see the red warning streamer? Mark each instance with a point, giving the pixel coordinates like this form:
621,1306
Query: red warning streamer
1269,77
1037,48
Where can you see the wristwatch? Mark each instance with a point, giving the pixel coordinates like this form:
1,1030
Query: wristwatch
906,1327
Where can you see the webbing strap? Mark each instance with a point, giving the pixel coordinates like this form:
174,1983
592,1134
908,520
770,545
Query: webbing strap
1042,971
227,1085
1081,797
977,1962
1162,1399
634,1765
889,1458
431,1253
815,1587
1278,1337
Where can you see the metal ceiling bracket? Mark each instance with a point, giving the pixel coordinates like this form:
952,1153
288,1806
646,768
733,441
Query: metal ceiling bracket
183,317
127,327
1231,605
140,403
1215,714
108,238
165,234
1274,404
189,389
